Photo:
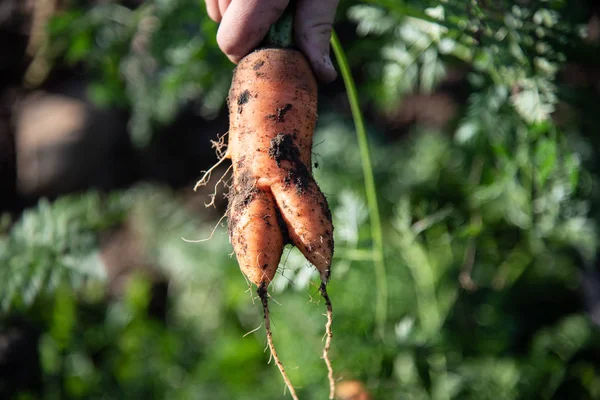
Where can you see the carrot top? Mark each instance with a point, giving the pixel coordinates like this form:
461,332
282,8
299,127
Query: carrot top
281,33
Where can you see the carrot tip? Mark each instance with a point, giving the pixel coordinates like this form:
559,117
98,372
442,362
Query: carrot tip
329,336
264,297
325,274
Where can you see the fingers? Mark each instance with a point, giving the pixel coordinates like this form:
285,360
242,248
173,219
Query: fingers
314,21
245,24
213,10
223,4
216,9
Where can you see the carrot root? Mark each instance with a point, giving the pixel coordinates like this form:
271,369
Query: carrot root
328,338
262,293
206,177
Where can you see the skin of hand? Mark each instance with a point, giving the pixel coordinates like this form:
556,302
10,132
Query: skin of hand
245,23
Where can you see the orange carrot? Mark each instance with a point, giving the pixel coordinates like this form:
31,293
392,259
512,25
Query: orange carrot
272,114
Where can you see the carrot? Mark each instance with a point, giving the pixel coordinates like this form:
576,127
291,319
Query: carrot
273,110
274,199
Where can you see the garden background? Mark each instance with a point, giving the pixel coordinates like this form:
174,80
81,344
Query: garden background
479,282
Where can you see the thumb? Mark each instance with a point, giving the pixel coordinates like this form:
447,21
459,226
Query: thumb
314,22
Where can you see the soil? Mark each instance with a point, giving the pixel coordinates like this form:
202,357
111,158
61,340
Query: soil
258,64
242,99
283,148
279,116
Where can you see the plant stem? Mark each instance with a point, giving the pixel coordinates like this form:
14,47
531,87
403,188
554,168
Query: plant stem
371,191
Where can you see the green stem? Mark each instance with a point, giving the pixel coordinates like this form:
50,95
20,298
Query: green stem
281,33
371,191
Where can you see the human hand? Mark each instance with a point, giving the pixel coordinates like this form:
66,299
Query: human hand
245,23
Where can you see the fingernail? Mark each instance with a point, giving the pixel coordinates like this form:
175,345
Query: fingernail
328,72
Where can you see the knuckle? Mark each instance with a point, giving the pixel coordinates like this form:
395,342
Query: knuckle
228,46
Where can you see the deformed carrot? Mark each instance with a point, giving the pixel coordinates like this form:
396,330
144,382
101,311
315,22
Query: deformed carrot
274,199
272,114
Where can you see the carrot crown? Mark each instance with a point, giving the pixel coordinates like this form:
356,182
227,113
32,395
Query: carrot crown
281,33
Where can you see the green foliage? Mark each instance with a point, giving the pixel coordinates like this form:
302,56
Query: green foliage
54,244
486,224
152,59
519,47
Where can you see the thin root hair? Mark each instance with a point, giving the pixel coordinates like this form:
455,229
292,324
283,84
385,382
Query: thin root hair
282,273
263,294
328,337
318,144
275,301
283,265
252,331
249,290
211,234
214,193
206,177
219,144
